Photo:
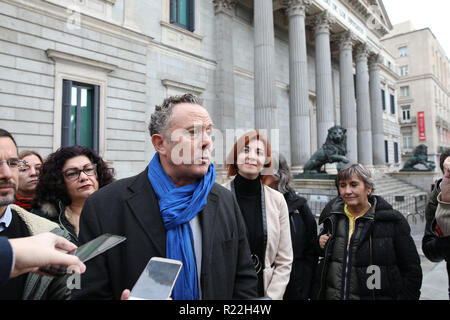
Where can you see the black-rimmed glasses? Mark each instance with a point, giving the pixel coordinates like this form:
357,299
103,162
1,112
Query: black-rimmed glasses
73,174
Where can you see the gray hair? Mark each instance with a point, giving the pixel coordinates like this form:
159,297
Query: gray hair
161,118
284,175
350,169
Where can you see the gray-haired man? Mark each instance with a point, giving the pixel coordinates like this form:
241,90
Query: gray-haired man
137,208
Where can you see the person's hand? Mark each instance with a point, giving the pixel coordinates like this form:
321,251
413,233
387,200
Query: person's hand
43,250
445,184
125,294
323,240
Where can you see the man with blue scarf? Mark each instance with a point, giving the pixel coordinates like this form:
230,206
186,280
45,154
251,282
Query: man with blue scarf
172,209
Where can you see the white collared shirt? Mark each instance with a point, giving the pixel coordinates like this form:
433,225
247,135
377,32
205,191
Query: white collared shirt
5,220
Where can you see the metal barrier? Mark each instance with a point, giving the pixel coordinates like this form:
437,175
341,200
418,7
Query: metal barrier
411,206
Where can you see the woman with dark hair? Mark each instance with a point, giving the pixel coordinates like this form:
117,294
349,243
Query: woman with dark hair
265,213
368,252
68,177
303,234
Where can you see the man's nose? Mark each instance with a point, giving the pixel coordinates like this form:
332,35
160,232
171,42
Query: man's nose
206,140
5,171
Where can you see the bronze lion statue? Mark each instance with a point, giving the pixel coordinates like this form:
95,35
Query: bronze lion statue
420,156
333,150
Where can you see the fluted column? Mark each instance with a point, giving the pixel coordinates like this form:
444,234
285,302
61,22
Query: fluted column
363,107
264,52
298,83
347,94
376,110
224,74
324,84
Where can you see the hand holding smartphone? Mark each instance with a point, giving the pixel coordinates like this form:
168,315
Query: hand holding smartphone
157,280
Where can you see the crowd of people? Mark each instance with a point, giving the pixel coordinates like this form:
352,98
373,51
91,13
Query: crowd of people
250,238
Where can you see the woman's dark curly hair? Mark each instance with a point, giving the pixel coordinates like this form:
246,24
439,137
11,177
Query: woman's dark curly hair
52,186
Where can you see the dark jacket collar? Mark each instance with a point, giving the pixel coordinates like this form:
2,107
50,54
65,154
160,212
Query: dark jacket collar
294,201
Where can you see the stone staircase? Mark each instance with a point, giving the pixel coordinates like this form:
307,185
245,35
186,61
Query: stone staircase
386,185
404,197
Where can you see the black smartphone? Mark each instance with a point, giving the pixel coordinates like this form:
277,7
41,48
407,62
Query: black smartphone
87,251
157,280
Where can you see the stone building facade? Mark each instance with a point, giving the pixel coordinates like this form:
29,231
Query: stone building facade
423,87
91,71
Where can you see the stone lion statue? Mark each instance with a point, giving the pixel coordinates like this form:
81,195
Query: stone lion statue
333,150
420,156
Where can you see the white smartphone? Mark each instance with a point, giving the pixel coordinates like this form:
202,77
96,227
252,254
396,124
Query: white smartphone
157,280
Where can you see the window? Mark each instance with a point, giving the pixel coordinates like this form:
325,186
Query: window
403,51
396,157
383,99
404,71
182,13
392,104
386,150
404,91
407,142
80,114
406,114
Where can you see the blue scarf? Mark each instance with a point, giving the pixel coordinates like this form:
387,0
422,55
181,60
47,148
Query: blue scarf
179,206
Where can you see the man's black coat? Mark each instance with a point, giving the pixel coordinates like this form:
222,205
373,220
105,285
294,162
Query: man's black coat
129,207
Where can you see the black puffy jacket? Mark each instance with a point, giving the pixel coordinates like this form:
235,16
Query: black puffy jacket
385,242
304,246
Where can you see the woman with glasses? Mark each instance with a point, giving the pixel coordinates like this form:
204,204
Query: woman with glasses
28,178
69,176
368,252
265,213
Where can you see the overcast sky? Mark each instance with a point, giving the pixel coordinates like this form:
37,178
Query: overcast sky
434,14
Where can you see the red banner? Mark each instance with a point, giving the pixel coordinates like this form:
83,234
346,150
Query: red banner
421,125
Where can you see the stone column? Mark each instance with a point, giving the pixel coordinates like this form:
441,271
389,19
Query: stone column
298,83
347,94
264,52
224,75
324,84
363,107
376,110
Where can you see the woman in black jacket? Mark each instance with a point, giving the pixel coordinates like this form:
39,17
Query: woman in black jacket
303,235
368,252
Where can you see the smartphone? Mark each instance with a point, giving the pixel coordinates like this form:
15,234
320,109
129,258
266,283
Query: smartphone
157,280
87,251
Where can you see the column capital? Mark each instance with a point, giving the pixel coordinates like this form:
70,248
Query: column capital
225,6
296,7
321,22
374,60
345,40
362,52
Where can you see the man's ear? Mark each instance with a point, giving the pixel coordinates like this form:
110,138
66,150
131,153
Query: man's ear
158,143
